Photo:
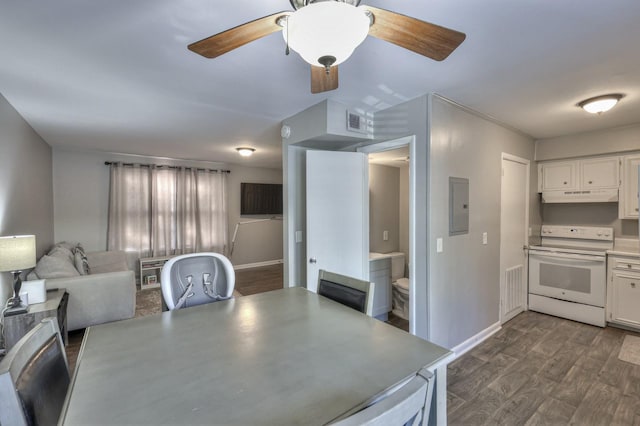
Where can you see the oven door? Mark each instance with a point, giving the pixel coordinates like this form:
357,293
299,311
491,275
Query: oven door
574,277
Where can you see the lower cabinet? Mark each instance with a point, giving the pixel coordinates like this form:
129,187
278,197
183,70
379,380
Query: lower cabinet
624,292
380,276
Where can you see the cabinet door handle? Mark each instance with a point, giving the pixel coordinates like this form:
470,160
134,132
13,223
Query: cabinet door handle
629,265
633,285
564,183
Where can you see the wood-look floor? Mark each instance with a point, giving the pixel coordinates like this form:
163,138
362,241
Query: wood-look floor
543,370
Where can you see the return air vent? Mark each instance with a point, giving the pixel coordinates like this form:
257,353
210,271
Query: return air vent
356,122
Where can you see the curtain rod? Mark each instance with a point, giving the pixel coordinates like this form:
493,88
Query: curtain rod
108,163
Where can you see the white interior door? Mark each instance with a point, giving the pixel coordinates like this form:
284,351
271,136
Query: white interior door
514,220
337,195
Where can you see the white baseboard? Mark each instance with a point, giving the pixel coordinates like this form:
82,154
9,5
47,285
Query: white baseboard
257,264
475,340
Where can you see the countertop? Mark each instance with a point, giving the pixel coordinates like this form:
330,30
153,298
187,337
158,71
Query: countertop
625,247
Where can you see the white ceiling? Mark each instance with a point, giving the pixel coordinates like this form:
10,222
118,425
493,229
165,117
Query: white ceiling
117,76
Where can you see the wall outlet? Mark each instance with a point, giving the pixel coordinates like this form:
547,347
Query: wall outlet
484,238
385,235
439,245
530,231
298,236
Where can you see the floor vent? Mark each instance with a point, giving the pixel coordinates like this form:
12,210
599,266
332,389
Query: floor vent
514,291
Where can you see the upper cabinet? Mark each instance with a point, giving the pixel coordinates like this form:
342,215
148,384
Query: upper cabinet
628,206
591,173
559,175
599,173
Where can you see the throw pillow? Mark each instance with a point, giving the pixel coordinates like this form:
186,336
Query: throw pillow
80,262
49,267
61,252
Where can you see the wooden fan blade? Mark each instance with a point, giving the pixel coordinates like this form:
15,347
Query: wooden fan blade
323,82
226,41
430,40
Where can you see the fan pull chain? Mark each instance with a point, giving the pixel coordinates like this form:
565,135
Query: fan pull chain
287,51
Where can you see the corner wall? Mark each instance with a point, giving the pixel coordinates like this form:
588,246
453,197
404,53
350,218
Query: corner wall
81,194
465,278
26,195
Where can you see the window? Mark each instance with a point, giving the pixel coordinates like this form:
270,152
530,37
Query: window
160,210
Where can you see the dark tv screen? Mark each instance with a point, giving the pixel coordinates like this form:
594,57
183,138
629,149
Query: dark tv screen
260,198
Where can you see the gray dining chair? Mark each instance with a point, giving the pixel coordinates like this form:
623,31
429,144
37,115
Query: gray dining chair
34,378
410,405
195,279
351,292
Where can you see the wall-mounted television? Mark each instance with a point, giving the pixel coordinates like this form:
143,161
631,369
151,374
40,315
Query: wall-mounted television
260,198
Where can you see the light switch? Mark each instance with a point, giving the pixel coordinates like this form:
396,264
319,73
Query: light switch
484,238
439,245
385,235
298,236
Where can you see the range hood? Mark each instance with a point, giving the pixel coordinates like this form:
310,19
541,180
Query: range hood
586,196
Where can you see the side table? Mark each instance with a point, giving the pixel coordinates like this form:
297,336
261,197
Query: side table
16,326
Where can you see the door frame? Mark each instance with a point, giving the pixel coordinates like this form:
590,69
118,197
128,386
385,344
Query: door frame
386,146
509,157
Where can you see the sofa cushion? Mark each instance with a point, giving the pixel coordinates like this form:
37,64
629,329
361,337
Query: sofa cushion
55,267
107,261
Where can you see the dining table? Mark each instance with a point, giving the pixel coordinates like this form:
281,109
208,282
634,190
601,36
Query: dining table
283,357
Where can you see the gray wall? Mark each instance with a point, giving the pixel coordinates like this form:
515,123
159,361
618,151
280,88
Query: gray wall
403,243
465,278
26,196
81,194
611,141
384,208
619,139
590,214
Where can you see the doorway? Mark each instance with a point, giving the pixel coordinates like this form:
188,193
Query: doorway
514,220
391,226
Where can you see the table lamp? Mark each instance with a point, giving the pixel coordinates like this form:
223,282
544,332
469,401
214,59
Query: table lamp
17,253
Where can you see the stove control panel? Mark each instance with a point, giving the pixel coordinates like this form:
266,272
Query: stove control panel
578,232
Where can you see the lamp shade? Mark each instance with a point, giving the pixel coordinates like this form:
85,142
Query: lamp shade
328,28
17,253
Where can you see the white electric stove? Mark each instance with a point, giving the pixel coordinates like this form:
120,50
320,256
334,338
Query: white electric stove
567,272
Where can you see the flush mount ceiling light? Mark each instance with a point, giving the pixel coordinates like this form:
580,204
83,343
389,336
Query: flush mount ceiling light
245,151
600,104
326,33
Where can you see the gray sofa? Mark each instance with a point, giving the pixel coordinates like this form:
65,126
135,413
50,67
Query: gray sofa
106,292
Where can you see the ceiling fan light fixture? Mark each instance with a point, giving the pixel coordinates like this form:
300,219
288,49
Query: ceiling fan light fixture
326,29
600,104
245,151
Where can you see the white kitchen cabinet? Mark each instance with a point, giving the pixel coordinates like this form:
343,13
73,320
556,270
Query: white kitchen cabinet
583,174
628,204
380,276
623,303
559,175
599,173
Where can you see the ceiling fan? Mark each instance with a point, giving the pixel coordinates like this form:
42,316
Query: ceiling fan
325,33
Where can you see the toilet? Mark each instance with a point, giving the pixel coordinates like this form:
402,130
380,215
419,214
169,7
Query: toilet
399,286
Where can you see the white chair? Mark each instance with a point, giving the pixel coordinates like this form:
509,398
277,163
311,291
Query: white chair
196,279
34,378
408,405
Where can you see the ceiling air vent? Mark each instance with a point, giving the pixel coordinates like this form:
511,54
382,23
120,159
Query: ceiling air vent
356,122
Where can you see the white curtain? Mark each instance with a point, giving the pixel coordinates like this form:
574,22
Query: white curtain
160,211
